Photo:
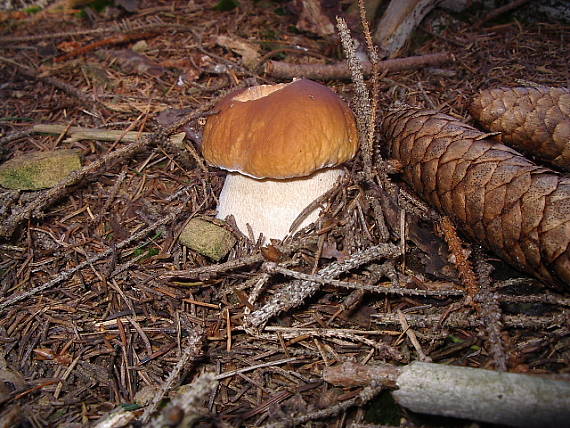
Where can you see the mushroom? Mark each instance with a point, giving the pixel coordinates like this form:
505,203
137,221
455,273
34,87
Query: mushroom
282,145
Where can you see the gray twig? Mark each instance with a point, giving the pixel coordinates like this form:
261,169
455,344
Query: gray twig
296,292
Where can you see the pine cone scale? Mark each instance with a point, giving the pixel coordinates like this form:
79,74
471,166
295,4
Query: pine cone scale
534,120
496,196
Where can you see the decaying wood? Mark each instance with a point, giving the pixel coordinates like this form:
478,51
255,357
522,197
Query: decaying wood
399,22
535,120
488,396
286,70
495,195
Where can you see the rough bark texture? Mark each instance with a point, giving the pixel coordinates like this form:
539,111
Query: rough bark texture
535,120
494,194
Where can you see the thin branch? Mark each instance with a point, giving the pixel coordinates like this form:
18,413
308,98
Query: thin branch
362,96
214,269
297,292
255,367
499,11
367,394
385,351
491,314
340,71
461,320
191,351
59,84
271,267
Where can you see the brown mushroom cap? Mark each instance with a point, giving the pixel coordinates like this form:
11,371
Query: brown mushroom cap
280,131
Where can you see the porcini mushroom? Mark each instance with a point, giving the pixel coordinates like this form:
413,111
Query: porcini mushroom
282,145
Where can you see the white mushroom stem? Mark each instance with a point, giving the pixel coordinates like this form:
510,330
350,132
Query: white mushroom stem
271,206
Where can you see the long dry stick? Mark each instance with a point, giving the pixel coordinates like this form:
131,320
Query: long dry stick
59,84
461,320
386,351
339,71
491,314
367,394
499,11
213,269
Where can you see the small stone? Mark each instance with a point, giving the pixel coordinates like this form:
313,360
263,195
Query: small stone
38,170
207,238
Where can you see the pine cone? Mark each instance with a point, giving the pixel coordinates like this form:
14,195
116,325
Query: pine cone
534,120
495,195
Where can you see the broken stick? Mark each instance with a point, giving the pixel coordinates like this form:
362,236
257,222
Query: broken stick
338,71
463,392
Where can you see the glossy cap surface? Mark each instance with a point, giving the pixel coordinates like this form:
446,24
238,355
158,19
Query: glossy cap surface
280,131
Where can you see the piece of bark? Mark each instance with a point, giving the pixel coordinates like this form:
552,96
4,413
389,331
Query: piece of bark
535,120
399,22
463,392
517,209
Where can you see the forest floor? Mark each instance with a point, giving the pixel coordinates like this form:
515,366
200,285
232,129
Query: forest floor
92,321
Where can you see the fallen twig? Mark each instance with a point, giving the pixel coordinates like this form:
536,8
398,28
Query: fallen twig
361,399
499,11
462,262
296,292
119,39
386,351
491,314
77,133
255,367
285,70
59,84
191,350
214,269
461,320
187,403
271,267
503,398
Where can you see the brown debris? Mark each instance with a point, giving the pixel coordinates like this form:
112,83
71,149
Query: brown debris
515,208
534,120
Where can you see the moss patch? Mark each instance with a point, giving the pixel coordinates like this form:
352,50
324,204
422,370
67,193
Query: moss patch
207,238
38,170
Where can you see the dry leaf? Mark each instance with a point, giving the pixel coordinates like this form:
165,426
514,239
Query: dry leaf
248,51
